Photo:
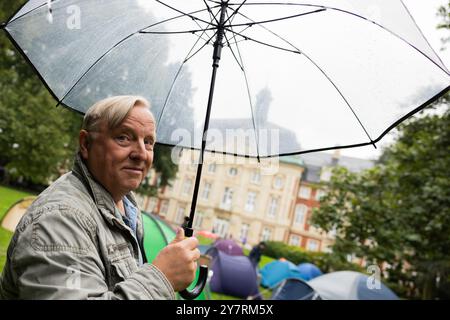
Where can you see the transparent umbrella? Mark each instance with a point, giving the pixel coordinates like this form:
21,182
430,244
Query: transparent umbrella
295,77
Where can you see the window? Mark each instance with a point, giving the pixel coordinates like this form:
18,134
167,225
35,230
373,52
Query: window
227,198
251,200
266,234
256,177
304,192
187,186
278,182
232,172
313,245
212,168
300,214
151,204
273,206
220,227
179,218
325,175
198,220
319,194
294,240
206,190
164,208
244,232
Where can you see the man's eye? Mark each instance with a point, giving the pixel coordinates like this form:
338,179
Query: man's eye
148,144
122,138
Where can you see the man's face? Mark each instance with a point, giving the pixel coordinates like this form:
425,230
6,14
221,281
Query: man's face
120,158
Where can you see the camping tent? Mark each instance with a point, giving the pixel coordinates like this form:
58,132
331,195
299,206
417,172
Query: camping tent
350,285
233,275
15,213
294,289
157,234
229,247
309,271
277,271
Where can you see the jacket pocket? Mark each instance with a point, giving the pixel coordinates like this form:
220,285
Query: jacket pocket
122,263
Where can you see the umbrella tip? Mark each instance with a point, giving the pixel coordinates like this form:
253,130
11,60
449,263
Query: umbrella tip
2,25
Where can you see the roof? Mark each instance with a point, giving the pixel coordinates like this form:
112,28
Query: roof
295,160
315,162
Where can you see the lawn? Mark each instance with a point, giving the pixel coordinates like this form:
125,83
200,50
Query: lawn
8,197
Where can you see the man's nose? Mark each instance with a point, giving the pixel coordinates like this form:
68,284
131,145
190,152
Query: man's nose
139,151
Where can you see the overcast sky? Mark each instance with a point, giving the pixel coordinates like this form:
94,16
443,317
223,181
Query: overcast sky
424,13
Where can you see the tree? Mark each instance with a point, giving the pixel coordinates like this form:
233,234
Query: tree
36,139
397,214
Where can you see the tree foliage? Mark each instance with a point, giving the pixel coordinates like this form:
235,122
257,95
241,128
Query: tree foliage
397,214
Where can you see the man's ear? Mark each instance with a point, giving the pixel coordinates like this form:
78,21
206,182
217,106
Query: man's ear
84,143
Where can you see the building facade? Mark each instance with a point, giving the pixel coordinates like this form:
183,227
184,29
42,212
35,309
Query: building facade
250,202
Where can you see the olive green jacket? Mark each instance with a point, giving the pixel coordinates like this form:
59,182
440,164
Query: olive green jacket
73,244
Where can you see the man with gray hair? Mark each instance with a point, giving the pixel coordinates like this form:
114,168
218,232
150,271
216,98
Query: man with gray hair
82,238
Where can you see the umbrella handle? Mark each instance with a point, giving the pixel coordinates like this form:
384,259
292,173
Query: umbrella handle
202,276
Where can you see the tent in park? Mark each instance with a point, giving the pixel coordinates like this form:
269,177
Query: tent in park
309,271
157,234
15,213
233,275
351,285
294,289
276,271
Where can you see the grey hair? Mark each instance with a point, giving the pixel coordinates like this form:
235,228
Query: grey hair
112,110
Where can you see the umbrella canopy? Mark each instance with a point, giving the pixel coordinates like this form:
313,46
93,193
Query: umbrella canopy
294,77
309,271
229,247
349,285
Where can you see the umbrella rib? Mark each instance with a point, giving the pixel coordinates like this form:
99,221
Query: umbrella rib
205,44
360,17
187,14
115,46
248,93
232,52
210,12
28,12
176,77
187,58
261,42
324,73
278,19
235,11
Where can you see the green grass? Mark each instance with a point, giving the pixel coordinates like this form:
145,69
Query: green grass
8,196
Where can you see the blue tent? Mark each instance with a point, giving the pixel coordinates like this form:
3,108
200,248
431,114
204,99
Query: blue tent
309,271
277,271
294,289
232,275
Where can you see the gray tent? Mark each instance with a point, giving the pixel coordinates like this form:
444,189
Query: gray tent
350,285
